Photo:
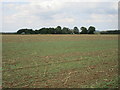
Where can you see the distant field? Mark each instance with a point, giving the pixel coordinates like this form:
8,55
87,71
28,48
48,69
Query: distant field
60,61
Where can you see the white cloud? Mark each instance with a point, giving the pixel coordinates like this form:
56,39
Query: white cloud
65,20
101,18
52,13
60,0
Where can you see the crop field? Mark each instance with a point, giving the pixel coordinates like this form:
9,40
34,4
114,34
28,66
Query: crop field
60,61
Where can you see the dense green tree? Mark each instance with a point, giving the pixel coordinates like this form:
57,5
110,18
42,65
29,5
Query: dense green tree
70,31
21,31
84,30
43,31
91,30
37,31
76,30
30,31
110,32
58,30
65,30
51,30
25,31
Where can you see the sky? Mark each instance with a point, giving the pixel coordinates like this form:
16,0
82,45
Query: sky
35,14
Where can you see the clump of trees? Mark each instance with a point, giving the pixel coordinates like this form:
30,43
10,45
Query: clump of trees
84,30
58,30
90,30
26,31
110,32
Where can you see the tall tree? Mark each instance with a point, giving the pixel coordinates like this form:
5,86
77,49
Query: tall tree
58,30
25,31
43,30
91,30
21,31
76,30
84,30
51,31
65,30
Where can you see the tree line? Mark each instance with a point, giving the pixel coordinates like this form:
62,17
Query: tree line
110,32
58,30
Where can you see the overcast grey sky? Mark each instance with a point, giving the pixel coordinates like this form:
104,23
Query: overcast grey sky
103,14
